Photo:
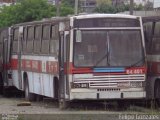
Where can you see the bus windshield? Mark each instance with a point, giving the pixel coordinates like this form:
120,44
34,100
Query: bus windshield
108,48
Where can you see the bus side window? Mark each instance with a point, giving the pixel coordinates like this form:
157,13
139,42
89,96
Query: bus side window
148,35
24,39
1,44
54,43
45,39
30,38
37,40
15,41
156,39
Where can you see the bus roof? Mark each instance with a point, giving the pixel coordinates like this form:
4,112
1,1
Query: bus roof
45,20
58,19
151,19
104,15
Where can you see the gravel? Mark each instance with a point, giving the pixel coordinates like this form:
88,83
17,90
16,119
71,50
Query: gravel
50,108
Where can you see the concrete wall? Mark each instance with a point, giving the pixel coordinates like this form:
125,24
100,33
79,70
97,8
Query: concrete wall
143,13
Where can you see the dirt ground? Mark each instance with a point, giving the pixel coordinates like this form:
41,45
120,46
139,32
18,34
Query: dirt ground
48,109
9,106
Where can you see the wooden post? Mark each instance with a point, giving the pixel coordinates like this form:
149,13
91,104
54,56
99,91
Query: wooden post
131,6
76,7
58,8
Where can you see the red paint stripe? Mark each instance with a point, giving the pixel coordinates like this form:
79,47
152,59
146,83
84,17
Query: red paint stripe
73,70
14,64
137,70
35,66
52,67
134,70
6,66
154,68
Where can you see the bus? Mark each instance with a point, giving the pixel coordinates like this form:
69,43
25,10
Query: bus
84,57
152,39
4,46
1,81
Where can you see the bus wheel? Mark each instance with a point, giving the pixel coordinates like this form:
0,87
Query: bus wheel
56,88
123,104
1,84
157,94
28,96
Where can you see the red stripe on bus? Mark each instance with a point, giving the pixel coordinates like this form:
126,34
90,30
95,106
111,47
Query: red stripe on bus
154,68
35,66
27,65
133,70
14,64
6,66
136,70
74,70
52,67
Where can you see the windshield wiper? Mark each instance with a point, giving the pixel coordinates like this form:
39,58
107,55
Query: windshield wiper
100,60
137,62
106,55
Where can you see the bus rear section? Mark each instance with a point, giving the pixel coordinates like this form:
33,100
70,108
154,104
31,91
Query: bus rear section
108,58
1,62
4,59
152,39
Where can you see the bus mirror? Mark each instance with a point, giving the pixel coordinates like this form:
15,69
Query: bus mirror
78,36
21,29
145,36
61,26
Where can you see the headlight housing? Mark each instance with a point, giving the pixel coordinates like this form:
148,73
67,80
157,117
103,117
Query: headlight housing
80,85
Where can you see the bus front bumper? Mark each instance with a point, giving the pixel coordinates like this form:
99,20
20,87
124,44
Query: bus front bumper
79,94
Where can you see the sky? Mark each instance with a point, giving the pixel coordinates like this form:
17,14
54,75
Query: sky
156,3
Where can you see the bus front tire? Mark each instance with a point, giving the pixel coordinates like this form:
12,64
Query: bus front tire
157,93
1,84
29,96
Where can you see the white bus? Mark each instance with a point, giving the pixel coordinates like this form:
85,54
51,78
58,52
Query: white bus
85,57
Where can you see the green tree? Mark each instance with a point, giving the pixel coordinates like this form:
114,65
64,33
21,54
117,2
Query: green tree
67,7
148,5
68,2
138,7
29,10
99,2
109,8
105,8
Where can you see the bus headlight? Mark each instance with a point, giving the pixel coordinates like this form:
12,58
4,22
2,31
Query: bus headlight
136,84
123,84
80,85
133,84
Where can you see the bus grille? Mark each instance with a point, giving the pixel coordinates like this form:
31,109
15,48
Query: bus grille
112,81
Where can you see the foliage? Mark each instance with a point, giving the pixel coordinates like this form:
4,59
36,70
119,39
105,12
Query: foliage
64,11
68,2
29,10
67,7
105,8
138,7
99,2
148,6
109,8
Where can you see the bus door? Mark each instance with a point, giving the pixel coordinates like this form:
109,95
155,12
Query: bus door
63,63
5,56
20,38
